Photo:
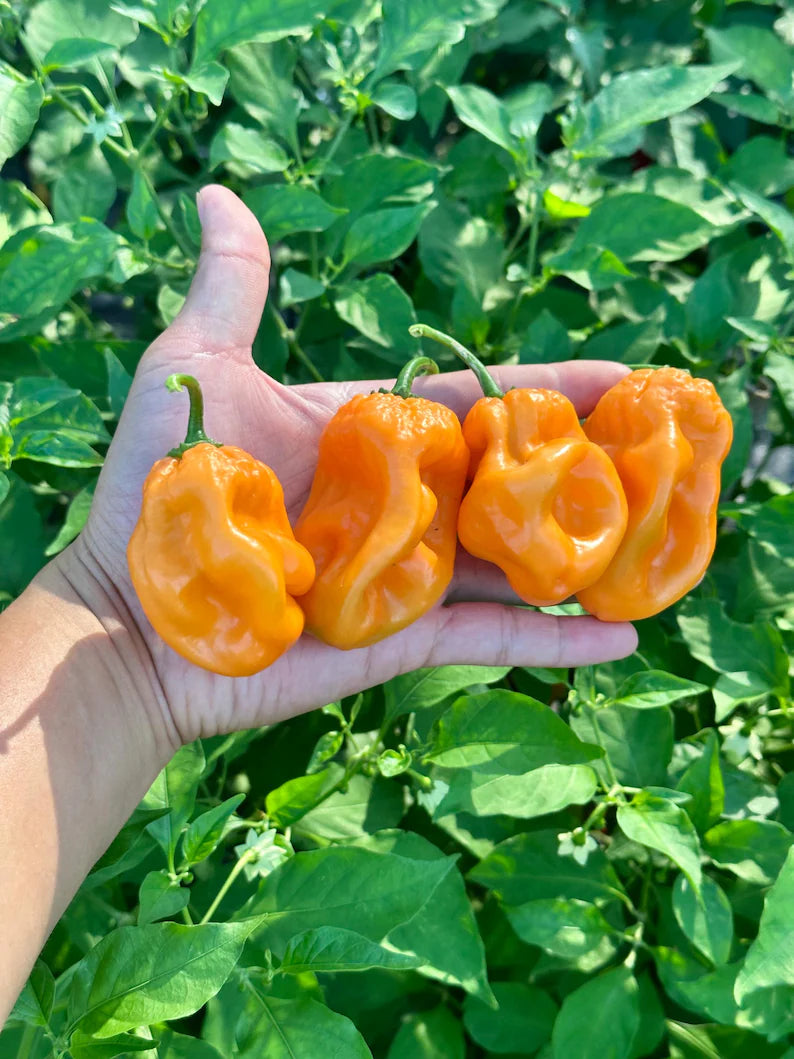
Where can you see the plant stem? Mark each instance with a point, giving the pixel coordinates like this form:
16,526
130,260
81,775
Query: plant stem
405,380
195,425
246,858
27,1041
534,232
296,349
345,124
484,377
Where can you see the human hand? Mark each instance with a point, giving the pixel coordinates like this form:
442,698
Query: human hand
211,339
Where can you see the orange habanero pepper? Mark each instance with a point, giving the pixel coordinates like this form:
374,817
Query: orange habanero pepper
545,504
667,434
380,518
213,558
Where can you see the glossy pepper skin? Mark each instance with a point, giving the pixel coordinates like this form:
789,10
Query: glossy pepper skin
213,558
380,518
545,504
667,434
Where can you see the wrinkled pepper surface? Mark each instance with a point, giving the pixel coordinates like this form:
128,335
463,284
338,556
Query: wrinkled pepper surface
545,504
213,558
667,434
380,518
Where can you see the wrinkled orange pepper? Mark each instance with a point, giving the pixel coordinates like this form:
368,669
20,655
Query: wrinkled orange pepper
213,558
380,518
545,504
667,434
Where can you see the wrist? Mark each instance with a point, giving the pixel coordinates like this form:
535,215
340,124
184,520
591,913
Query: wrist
93,614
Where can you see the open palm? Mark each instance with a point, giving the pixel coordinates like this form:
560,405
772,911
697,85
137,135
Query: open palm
211,339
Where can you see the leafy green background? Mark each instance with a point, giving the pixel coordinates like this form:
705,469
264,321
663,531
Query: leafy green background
606,853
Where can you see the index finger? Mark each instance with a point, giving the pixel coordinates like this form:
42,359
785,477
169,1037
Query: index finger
581,381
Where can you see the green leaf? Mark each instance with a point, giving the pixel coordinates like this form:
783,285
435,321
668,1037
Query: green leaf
40,268
71,53
383,234
247,151
485,113
366,804
357,889
22,538
220,25
527,106
283,209
638,227
754,850
179,1046
76,517
523,1022
752,657
295,287
288,803
50,422
454,246
660,824
651,688
397,99
20,102
771,213
435,1034
206,831
760,55
752,106
706,920
282,1028
54,20
546,340
380,309
5,485
514,731
262,81
600,127
210,80
140,975
85,188
160,898
770,959
331,949
409,30
19,208
443,932
142,213
85,1046
703,781
566,927
34,1003
175,790
761,164
529,867
638,743
488,791
424,688
780,369
599,1019
127,849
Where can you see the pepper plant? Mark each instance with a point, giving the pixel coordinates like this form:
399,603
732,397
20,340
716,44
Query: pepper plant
606,867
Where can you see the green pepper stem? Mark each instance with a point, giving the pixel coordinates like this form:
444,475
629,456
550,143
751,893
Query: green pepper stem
195,425
414,367
484,377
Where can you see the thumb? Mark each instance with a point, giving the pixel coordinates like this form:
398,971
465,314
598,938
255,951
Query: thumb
228,292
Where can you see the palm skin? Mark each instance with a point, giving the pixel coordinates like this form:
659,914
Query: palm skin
211,339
